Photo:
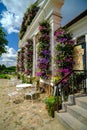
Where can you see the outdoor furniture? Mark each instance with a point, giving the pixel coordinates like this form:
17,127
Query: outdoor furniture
13,82
23,86
12,93
33,93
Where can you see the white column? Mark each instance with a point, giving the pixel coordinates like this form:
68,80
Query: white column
55,24
34,57
86,56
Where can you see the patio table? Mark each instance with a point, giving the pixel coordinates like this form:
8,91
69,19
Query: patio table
23,86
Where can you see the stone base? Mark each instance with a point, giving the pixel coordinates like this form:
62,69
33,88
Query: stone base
71,101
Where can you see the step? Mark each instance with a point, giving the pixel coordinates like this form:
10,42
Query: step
81,101
69,122
78,112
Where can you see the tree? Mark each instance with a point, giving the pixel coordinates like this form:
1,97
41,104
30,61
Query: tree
3,42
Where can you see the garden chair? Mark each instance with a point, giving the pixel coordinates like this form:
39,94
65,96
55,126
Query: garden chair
12,95
32,92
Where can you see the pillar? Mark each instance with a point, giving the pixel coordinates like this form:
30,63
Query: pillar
55,24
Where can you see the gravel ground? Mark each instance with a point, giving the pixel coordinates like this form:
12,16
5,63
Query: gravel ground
26,115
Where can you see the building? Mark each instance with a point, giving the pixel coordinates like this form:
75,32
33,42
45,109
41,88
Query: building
78,27
29,40
48,10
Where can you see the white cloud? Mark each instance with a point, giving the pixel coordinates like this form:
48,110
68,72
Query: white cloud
10,22
12,17
9,58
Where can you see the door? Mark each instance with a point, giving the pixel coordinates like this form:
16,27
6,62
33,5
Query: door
79,57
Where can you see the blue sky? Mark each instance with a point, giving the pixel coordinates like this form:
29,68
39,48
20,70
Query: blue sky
11,14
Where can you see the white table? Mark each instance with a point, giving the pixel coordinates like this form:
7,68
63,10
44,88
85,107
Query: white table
23,86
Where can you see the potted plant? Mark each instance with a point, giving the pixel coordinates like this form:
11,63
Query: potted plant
52,104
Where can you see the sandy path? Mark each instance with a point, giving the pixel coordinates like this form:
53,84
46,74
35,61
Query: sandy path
25,115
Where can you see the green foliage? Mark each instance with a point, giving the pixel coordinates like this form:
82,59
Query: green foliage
44,53
3,42
21,34
23,78
27,80
28,17
63,52
4,69
51,103
4,76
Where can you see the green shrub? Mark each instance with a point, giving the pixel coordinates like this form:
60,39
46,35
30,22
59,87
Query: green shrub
4,76
51,104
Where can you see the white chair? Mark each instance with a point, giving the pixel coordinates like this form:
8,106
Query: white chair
12,95
33,91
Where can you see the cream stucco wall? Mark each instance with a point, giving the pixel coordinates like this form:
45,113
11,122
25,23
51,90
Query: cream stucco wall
79,28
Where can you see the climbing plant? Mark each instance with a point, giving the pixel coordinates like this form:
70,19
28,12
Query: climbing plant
44,56
63,52
28,62
28,17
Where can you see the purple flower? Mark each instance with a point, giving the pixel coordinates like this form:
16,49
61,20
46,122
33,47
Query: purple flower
68,59
71,41
62,39
58,61
43,60
56,34
38,73
46,52
61,70
66,70
64,81
42,28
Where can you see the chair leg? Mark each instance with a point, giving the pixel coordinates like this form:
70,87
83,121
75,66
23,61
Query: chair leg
32,98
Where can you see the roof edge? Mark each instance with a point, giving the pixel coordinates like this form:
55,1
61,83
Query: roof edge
83,14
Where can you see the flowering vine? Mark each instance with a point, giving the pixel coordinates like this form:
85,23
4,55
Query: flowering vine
28,17
21,60
44,50
18,62
28,62
63,52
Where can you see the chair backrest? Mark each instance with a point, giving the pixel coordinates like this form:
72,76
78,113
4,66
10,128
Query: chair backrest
19,82
34,86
